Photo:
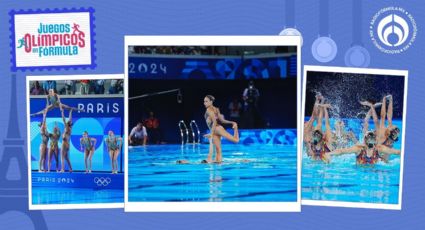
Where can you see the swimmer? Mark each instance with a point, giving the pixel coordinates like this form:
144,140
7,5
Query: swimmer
65,141
385,135
368,153
54,148
308,125
183,162
43,146
321,143
88,144
215,121
114,149
342,137
388,135
53,101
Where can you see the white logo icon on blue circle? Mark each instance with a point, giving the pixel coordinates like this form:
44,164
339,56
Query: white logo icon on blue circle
393,30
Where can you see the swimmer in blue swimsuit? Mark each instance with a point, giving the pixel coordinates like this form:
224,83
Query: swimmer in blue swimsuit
215,121
88,145
66,141
114,149
43,146
368,153
53,101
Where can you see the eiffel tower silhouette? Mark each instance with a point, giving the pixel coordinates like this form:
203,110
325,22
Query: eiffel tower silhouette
14,193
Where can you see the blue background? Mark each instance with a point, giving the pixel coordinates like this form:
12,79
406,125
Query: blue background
220,17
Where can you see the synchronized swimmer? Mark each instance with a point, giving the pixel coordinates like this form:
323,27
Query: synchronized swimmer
215,121
53,101
377,144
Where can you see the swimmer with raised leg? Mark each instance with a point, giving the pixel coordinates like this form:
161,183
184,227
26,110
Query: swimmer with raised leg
215,121
309,125
321,142
388,135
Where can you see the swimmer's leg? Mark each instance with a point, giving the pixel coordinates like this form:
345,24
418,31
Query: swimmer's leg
217,143
111,156
219,130
390,110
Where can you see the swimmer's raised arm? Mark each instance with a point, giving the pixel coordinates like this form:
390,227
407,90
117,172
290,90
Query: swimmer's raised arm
386,150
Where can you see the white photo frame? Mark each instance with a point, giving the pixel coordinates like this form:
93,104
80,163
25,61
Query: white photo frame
214,41
365,71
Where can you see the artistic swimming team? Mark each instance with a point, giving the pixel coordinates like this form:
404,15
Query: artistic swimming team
377,144
87,143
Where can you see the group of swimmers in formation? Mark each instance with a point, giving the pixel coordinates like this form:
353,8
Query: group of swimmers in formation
377,144
87,144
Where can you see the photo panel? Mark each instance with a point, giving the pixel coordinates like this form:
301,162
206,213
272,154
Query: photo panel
75,138
212,123
353,137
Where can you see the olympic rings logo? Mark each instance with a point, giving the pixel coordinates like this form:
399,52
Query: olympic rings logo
102,181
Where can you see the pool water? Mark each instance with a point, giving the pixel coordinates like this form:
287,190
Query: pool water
248,173
343,180
52,195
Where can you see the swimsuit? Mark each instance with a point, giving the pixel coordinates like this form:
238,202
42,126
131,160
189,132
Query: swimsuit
53,99
209,124
86,142
54,138
319,154
362,158
44,138
112,143
65,138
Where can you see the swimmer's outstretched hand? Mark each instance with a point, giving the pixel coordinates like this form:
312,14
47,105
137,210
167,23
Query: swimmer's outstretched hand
389,96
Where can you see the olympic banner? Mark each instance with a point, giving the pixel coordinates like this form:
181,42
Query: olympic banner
76,180
228,68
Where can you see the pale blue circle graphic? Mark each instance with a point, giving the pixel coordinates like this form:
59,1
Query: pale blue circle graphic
324,49
357,56
292,32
